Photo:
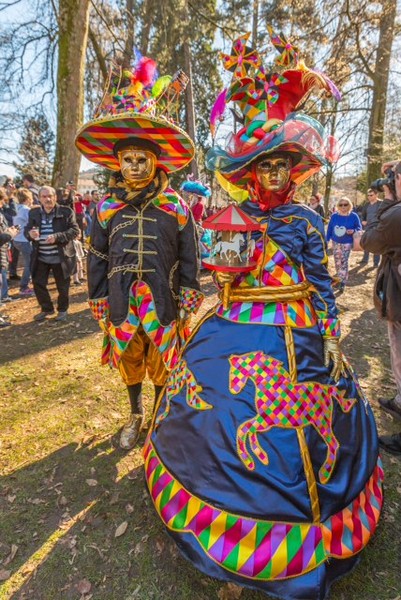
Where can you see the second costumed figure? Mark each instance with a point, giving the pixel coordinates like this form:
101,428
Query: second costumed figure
262,461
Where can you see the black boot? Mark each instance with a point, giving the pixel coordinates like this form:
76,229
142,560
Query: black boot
132,429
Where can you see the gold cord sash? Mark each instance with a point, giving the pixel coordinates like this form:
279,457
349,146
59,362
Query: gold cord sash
284,293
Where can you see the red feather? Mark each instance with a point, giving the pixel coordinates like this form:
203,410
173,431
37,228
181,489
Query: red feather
145,71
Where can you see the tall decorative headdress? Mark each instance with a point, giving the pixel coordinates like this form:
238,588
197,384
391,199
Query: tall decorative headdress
138,104
270,103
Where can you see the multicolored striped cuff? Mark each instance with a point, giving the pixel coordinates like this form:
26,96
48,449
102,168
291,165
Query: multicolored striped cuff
190,299
99,307
329,326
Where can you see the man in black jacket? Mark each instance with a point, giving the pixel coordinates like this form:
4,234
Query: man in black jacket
384,238
52,229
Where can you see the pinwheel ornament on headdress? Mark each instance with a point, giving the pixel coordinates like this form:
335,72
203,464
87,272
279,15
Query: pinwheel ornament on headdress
266,86
270,103
242,57
138,105
289,54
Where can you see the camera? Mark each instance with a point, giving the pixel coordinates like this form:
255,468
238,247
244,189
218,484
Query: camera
389,181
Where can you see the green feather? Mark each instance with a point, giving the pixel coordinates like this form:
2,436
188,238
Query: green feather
160,85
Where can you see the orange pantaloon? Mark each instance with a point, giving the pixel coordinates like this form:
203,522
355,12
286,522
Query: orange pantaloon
142,357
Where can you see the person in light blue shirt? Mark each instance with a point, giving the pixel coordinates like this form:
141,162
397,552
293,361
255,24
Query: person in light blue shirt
25,200
342,226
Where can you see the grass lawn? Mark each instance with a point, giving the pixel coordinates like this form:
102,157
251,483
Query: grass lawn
75,520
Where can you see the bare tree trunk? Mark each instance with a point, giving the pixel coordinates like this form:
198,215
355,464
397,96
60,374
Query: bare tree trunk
315,185
255,18
380,85
129,40
189,96
330,170
99,54
72,41
327,191
148,13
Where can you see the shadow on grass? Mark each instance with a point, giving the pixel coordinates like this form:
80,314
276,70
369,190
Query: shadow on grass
369,342
25,339
63,512
142,563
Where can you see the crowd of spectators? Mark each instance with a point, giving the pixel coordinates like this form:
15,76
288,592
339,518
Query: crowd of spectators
35,223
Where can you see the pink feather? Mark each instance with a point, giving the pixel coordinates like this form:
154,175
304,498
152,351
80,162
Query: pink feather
218,110
145,71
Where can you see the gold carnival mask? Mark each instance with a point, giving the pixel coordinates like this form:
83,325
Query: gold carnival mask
273,173
138,166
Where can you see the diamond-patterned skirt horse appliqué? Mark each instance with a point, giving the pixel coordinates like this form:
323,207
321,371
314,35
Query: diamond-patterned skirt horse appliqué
281,402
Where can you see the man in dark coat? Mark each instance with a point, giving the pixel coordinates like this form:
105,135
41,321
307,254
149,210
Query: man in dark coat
384,238
52,229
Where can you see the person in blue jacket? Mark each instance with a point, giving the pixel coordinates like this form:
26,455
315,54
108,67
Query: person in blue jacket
342,226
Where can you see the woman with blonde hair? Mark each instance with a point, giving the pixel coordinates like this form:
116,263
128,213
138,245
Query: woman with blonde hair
342,226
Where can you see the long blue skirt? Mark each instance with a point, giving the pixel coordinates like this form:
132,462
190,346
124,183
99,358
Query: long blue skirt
263,470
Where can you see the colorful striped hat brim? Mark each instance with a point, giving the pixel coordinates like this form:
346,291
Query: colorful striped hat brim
96,140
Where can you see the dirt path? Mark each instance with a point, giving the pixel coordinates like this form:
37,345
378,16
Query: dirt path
76,522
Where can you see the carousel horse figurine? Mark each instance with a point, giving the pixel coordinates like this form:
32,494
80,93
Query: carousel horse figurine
233,246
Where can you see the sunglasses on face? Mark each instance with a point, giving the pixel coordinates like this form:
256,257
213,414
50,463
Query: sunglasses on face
343,205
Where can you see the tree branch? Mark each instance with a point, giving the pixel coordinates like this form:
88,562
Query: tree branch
98,53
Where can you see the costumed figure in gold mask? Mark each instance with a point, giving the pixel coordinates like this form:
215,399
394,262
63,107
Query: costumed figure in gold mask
262,460
143,257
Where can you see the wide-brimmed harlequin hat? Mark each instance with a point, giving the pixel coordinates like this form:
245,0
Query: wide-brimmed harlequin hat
139,107
270,102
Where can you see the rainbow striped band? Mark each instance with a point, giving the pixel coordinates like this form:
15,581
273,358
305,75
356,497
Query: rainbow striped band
257,549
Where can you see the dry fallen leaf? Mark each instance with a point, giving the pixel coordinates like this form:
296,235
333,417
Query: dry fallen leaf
10,557
4,574
139,548
129,508
84,586
230,591
114,498
160,544
121,529
11,498
91,482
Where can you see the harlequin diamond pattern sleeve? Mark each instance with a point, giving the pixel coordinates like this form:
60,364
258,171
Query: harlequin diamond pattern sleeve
98,286
190,296
315,269
100,308
329,327
190,300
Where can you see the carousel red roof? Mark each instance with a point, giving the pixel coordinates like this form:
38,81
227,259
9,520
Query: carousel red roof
231,218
